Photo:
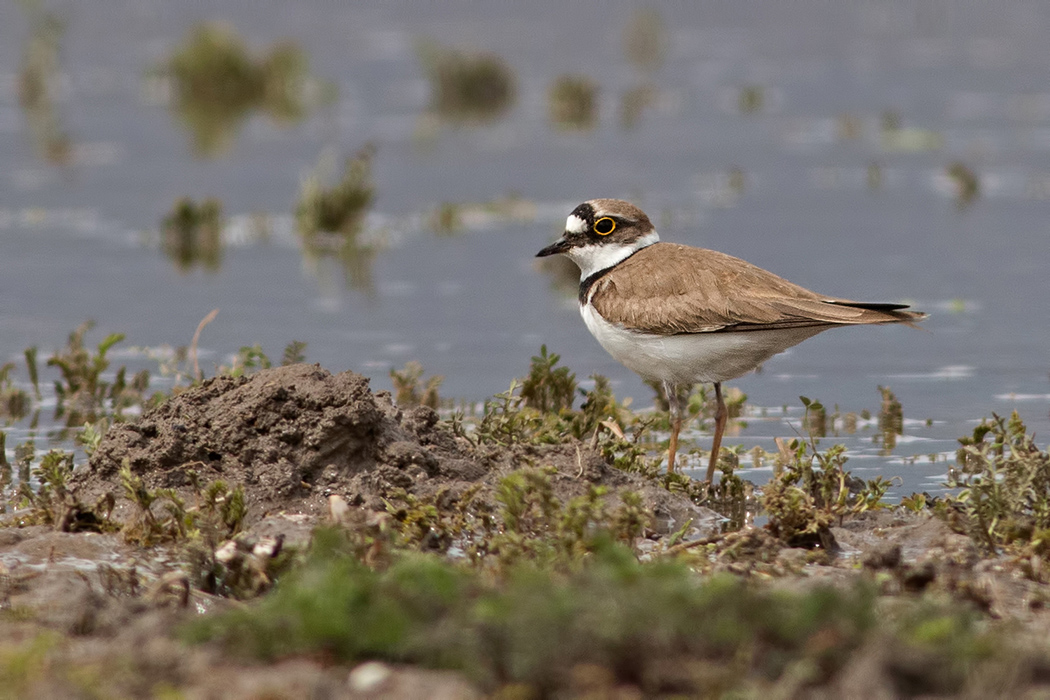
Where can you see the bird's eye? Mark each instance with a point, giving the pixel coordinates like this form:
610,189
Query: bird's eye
604,226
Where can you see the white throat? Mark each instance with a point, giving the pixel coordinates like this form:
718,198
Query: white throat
597,256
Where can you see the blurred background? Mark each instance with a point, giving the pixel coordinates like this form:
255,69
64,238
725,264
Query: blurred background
374,179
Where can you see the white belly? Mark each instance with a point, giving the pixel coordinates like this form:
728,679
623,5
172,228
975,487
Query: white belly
695,357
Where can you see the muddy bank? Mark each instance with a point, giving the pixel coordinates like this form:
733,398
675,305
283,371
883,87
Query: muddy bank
293,436
90,613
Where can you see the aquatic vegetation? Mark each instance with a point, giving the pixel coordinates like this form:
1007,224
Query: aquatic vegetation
525,521
810,490
967,184
645,40
217,82
38,77
548,388
751,99
572,103
15,403
891,421
81,392
341,207
50,502
633,104
191,234
449,218
467,88
849,127
330,220
1004,488
410,390
537,409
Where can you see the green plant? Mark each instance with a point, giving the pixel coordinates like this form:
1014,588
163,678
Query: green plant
532,630
218,511
467,88
248,359
191,234
294,353
409,390
339,209
14,402
546,388
891,420
82,393
811,490
217,83
50,502
91,435
573,102
1004,487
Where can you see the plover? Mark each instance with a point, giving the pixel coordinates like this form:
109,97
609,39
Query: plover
680,315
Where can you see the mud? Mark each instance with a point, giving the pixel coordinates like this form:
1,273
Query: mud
292,436
90,614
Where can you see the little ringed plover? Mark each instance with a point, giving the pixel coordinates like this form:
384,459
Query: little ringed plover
680,315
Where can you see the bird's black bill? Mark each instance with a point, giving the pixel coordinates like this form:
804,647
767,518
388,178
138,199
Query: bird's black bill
558,246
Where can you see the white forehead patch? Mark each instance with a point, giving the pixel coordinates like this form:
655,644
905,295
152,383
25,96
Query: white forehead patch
575,224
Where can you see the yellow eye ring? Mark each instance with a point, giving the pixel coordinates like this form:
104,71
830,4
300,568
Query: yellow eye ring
604,226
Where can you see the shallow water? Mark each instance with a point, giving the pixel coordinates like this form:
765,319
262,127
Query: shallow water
763,139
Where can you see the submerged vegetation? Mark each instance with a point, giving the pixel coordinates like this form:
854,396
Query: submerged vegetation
39,78
573,103
330,219
191,234
217,82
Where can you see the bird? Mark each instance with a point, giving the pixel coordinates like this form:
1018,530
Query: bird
679,315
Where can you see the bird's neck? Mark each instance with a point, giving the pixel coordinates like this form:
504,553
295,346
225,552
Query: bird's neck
598,257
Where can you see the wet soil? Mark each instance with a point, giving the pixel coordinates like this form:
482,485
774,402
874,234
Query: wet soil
91,611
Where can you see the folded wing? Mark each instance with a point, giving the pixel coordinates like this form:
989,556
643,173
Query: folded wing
706,292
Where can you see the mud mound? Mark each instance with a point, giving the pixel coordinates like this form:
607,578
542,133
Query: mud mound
274,431
292,436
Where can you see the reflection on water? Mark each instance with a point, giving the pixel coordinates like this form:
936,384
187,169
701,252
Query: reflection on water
191,234
216,83
14,401
38,79
330,220
891,421
467,88
572,102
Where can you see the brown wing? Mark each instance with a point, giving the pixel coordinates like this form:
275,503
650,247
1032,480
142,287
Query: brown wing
668,289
